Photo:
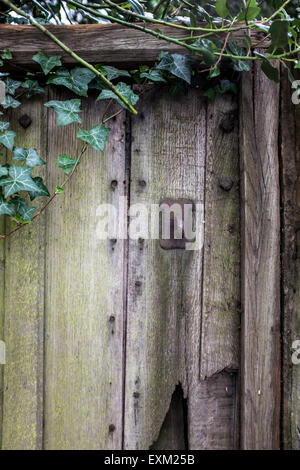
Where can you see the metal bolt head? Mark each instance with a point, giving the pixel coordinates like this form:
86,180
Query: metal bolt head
225,183
25,121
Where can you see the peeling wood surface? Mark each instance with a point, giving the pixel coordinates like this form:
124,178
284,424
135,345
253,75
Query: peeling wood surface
84,296
261,364
105,43
24,310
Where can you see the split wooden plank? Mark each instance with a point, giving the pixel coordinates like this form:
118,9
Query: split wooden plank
84,296
288,165
107,43
24,307
260,374
221,276
164,286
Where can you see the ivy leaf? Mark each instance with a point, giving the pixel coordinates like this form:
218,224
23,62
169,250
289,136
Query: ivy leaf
6,54
221,8
47,63
3,126
279,30
19,180
271,72
178,65
31,156
112,73
7,139
250,12
33,159
22,208
67,111
125,90
6,207
42,189
3,171
66,163
32,87
96,136
10,102
241,66
77,80
137,7
154,76
206,48
11,85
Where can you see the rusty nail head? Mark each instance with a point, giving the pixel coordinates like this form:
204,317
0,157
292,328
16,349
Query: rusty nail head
111,428
25,121
142,183
225,183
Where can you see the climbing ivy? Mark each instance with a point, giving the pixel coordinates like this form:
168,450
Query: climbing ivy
213,62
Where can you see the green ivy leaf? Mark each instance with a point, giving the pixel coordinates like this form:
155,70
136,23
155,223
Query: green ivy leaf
26,212
6,207
67,111
47,63
42,189
154,76
66,163
6,54
221,8
32,88
137,7
250,12
279,30
125,90
11,85
3,171
111,72
77,80
178,65
59,190
10,102
19,180
7,139
3,126
206,49
96,136
241,66
31,156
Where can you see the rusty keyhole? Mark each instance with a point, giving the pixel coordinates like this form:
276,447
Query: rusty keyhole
172,223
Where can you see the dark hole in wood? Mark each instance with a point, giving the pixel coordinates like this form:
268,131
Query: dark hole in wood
173,434
25,121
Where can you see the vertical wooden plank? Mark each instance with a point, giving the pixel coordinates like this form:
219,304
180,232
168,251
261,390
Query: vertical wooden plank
84,297
288,165
221,275
295,398
24,308
2,280
164,286
260,402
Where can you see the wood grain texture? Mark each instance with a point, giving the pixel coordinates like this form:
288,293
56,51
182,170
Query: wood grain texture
2,312
288,166
24,308
221,275
164,311
295,398
84,297
105,43
260,375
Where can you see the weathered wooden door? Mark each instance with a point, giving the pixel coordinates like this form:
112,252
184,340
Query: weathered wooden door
119,343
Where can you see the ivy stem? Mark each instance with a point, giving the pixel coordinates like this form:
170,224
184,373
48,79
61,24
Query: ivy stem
43,208
71,53
278,11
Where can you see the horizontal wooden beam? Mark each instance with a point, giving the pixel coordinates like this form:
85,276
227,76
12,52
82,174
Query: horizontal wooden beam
105,43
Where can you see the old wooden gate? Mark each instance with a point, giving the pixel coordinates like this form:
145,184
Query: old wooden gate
121,344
